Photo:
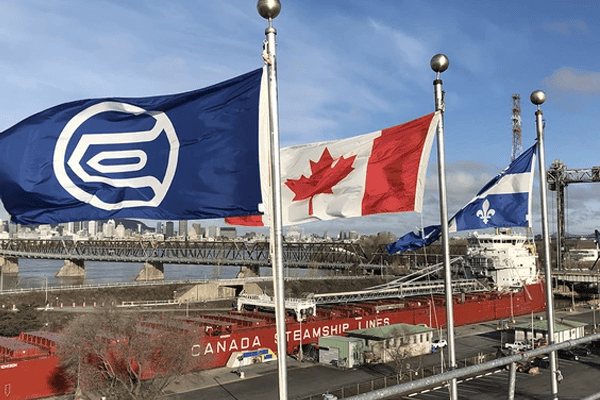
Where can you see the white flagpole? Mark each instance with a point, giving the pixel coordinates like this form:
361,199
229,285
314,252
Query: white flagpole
269,9
439,63
538,98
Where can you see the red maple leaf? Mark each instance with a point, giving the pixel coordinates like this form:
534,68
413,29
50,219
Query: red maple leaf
325,175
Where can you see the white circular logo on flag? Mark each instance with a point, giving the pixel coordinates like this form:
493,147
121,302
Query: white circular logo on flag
95,167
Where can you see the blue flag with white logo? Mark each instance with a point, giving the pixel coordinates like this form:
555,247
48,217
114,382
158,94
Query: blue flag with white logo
185,156
505,201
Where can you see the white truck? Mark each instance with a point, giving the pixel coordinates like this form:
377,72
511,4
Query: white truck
517,346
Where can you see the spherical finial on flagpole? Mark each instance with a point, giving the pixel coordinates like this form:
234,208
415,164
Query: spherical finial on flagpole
439,63
538,97
268,9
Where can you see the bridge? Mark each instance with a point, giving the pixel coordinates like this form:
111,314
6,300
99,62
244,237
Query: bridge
154,254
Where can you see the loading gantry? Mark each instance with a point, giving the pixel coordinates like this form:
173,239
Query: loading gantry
559,177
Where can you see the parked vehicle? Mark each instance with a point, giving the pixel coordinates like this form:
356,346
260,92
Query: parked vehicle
523,366
582,351
438,344
541,362
594,347
567,355
517,346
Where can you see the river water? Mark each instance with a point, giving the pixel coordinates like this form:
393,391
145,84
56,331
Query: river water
39,273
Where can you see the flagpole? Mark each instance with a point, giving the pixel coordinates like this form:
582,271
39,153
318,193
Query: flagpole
439,63
538,97
269,9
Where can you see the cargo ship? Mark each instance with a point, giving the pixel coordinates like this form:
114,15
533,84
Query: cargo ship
501,281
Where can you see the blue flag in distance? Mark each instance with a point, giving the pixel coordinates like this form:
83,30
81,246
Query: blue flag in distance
415,240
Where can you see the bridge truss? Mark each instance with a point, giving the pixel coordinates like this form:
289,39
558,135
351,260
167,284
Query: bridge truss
559,177
234,253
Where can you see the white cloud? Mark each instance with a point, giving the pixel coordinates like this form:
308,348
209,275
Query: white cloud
572,27
572,80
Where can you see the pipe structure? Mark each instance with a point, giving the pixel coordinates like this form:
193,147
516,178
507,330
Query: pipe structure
439,63
512,381
538,98
269,9
594,396
408,387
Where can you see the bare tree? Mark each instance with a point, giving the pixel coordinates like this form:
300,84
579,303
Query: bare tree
116,355
398,348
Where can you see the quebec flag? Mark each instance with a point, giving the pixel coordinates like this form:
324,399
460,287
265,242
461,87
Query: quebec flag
504,202
184,156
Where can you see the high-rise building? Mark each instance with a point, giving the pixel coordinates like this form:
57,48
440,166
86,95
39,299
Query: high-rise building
183,228
120,231
109,228
169,230
213,231
159,227
227,232
92,228
197,228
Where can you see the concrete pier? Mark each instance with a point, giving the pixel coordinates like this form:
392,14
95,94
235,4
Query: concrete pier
9,265
248,272
151,271
217,290
72,268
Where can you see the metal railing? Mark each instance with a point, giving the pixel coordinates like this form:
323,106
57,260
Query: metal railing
409,387
232,281
391,379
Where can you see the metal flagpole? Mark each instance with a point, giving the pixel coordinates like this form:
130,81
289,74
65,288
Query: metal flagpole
538,98
269,9
439,63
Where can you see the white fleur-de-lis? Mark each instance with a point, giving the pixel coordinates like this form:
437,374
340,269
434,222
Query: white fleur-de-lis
486,213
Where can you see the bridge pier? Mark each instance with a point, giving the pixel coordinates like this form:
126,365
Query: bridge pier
151,271
248,272
216,290
72,268
9,265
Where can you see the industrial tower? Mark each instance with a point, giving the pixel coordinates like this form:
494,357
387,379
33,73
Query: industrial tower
517,146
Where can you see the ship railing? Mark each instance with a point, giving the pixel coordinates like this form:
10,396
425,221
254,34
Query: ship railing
409,290
145,303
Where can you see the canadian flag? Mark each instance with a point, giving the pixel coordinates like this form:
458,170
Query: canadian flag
379,172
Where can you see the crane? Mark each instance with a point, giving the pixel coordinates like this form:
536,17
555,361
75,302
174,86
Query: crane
559,177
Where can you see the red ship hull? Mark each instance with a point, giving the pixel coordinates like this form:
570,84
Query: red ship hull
32,379
216,349
236,332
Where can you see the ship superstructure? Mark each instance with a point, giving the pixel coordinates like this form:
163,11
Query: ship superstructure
507,259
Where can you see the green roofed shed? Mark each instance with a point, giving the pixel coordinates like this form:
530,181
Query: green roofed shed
563,330
388,342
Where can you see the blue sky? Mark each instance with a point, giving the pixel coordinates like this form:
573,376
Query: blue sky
344,67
